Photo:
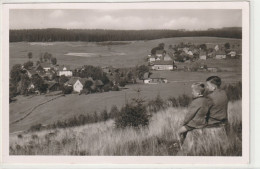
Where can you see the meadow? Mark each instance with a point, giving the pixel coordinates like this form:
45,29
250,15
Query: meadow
127,54
159,138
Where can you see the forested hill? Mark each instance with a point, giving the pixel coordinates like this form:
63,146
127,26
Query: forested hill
99,35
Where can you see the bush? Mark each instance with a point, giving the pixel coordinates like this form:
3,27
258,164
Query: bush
115,88
122,82
36,127
67,89
104,115
114,112
156,105
133,115
181,101
107,87
234,92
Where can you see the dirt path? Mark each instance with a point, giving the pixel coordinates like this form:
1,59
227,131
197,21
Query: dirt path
35,107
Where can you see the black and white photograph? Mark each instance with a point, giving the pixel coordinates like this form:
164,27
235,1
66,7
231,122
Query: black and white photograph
127,81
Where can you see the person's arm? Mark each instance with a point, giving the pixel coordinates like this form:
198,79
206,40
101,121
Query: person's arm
192,110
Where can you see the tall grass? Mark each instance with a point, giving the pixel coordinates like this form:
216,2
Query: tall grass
158,138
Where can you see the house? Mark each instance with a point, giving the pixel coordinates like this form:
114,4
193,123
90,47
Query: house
155,79
46,66
220,54
77,83
232,53
151,59
203,55
212,69
190,53
163,65
64,70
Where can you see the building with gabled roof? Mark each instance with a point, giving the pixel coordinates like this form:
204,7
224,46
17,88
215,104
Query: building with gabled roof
163,65
77,83
221,54
64,70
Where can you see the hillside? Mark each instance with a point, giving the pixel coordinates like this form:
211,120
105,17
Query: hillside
159,138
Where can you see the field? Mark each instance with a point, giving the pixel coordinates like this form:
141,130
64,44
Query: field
124,55
159,138
100,54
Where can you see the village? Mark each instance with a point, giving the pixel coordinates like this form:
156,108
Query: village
47,76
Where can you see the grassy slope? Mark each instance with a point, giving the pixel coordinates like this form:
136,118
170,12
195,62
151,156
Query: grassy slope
134,51
74,104
103,139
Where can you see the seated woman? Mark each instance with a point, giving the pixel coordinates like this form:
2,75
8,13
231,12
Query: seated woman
196,117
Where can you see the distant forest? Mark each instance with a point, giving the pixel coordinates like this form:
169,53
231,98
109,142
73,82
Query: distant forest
99,35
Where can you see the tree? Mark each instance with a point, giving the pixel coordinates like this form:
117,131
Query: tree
30,55
28,65
23,84
54,61
39,84
67,89
141,70
161,46
203,47
227,45
114,112
133,115
104,115
15,74
88,84
63,79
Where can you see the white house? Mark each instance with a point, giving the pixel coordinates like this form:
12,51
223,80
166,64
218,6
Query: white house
155,79
64,70
221,54
163,65
46,66
77,83
203,55
233,53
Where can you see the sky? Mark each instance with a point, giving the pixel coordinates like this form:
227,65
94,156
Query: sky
125,19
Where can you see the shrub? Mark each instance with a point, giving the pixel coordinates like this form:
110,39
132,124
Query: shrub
181,101
115,88
114,112
234,92
133,115
36,127
107,87
184,100
104,115
122,82
156,105
67,89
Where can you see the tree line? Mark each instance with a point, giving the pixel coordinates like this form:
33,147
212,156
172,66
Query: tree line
100,35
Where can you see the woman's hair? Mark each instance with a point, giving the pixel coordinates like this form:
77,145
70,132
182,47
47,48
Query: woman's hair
198,87
214,80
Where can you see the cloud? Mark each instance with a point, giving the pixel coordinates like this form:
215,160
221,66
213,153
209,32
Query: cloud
188,23
56,14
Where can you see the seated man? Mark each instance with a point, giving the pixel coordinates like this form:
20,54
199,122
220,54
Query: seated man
218,111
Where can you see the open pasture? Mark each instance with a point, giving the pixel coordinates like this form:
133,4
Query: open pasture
102,54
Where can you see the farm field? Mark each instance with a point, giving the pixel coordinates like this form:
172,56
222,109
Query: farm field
77,54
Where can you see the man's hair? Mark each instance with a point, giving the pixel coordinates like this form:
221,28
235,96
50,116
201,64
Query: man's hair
214,80
198,87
